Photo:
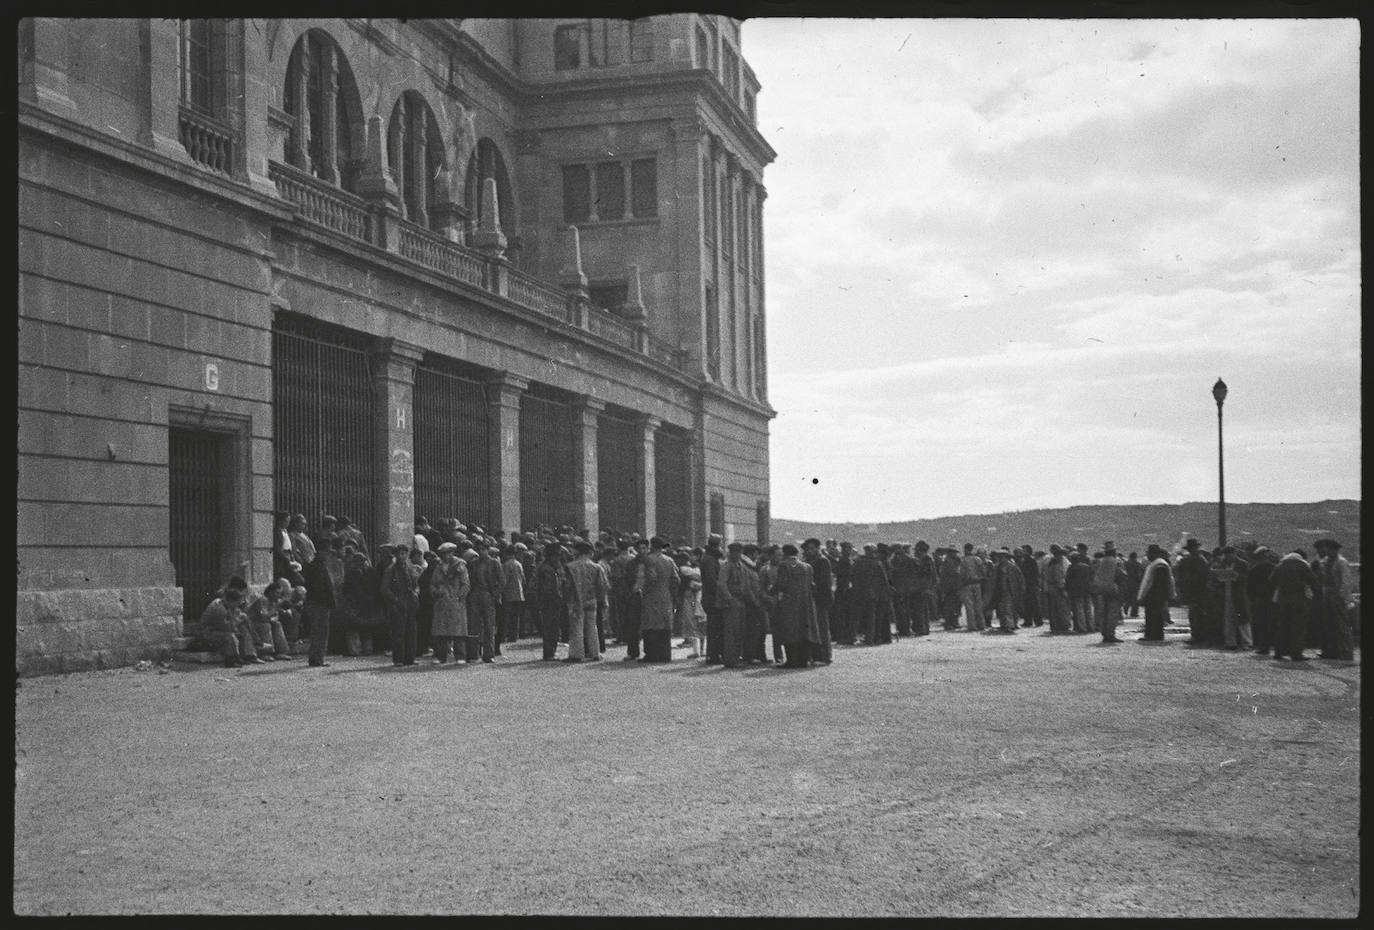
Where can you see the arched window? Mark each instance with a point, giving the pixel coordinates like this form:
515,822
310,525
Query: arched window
486,162
326,138
415,152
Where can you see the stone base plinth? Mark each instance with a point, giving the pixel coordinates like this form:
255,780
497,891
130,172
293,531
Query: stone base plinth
75,630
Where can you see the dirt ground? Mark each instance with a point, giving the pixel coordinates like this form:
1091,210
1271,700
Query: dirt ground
957,774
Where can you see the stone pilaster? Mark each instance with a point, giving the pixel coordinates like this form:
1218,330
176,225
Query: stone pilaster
159,118
394,381
300,133
647,509
329,129
586,417
43,65
503,419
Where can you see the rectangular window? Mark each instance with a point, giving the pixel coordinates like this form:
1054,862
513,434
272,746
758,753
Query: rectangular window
708,199
610,190
567,47
641,40
718,514
577,194
712,334
644,187
605,42
751,107
197,65
703,49
730,64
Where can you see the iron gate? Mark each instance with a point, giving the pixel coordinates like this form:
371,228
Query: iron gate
673,486
452,462
198,514
619,485
547,446
323,448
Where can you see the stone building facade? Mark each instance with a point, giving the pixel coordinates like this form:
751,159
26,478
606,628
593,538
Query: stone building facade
504,270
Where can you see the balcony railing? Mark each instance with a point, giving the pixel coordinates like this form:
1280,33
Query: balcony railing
323,203
434,251
535,295
208,141
601,323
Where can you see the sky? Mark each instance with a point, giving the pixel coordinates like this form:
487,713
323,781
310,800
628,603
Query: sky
1006,260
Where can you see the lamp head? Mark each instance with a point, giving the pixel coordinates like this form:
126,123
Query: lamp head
1219,391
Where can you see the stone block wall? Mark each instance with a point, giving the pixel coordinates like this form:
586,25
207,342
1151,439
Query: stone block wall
75,630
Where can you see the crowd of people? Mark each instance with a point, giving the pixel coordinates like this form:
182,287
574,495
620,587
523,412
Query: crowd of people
457,592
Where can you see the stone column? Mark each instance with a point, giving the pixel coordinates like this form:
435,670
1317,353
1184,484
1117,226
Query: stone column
647,511
394,364
300,133
400,132
329,96
43,65
586,413
503,423
420,138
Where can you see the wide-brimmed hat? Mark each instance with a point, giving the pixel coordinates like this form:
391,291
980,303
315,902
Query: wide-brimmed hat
1192,544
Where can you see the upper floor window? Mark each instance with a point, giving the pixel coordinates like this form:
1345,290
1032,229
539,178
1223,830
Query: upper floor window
198,59
610,190
326,136
641,40
730,67
567,47
751,107
703,49
605,42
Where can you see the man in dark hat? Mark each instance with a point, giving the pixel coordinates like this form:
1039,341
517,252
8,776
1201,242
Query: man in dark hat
1294,585
737,589
1056,590
1135,571
710,571
321,597
656,584
823,595
400,594
1156,590
623,605
1030,573
587,591
1108,579
923,606
842,625
1008,589
1191,576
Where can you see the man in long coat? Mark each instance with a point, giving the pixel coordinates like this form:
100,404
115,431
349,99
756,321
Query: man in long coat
1008,589
710,572
823,596
903,568
1294,585
736,589
399,591
656,584
973,571
795,616
842,614
871,591
948,588
485,573
550,594
449,587
1191,576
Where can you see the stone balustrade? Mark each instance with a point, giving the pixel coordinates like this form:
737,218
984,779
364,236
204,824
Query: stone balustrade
208,141
436,252
323,203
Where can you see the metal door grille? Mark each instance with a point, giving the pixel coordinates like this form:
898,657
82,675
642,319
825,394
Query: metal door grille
452,462
323,450
619,485
198,514
672,471
547,494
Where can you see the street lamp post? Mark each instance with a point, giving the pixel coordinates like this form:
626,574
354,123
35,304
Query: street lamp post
1219,393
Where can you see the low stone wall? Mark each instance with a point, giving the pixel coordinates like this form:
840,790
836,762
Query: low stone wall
76,630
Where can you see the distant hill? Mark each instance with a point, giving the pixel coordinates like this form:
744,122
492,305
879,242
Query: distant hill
1279,526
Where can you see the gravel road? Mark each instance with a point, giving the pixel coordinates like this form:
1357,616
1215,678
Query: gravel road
957,774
